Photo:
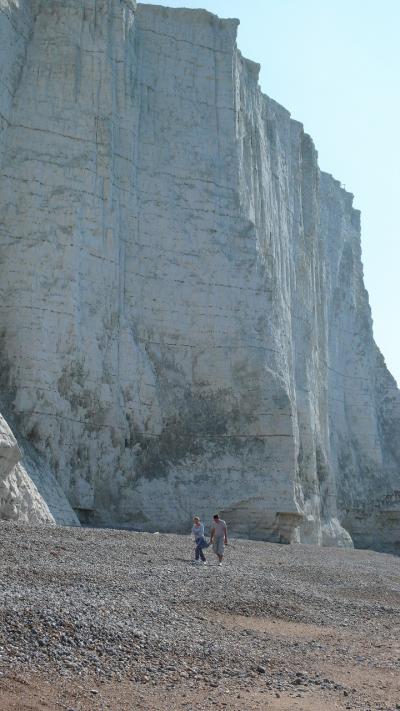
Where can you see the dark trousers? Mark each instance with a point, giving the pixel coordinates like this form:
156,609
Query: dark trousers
199,552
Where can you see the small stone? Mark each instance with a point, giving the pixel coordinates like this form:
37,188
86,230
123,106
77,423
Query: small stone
261,669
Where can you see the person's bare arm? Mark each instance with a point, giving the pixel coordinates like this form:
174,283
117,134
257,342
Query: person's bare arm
226,536
212,534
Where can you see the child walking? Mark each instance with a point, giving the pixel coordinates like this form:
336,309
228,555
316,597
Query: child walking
200,541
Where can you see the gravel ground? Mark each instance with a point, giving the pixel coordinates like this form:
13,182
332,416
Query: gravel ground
103,619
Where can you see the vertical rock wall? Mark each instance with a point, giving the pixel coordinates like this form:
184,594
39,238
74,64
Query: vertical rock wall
183,319
29,491
64,166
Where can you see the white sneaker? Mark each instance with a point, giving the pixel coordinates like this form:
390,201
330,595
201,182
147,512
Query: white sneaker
220,565
204,562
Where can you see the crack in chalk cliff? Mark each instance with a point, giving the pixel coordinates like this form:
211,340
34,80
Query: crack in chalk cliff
351,377
70,190
187,100
158,277
28,41
155,435
41,308
209,346
192,179
3,118
13,25
58,133
179,39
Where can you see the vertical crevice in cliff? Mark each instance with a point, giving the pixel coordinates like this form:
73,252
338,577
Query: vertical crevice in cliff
21,18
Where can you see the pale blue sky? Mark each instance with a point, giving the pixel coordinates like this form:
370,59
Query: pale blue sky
335,65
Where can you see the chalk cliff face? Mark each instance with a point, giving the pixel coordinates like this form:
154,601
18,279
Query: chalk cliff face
29,492
184,325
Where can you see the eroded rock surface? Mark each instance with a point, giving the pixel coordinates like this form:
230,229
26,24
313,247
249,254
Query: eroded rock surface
29,493
183,319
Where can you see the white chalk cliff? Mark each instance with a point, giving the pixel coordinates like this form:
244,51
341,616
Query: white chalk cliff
183,320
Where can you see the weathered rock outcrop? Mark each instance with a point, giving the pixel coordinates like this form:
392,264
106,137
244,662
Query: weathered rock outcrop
184,324
29,493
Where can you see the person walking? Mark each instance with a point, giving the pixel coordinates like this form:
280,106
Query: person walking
219,537
200,541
